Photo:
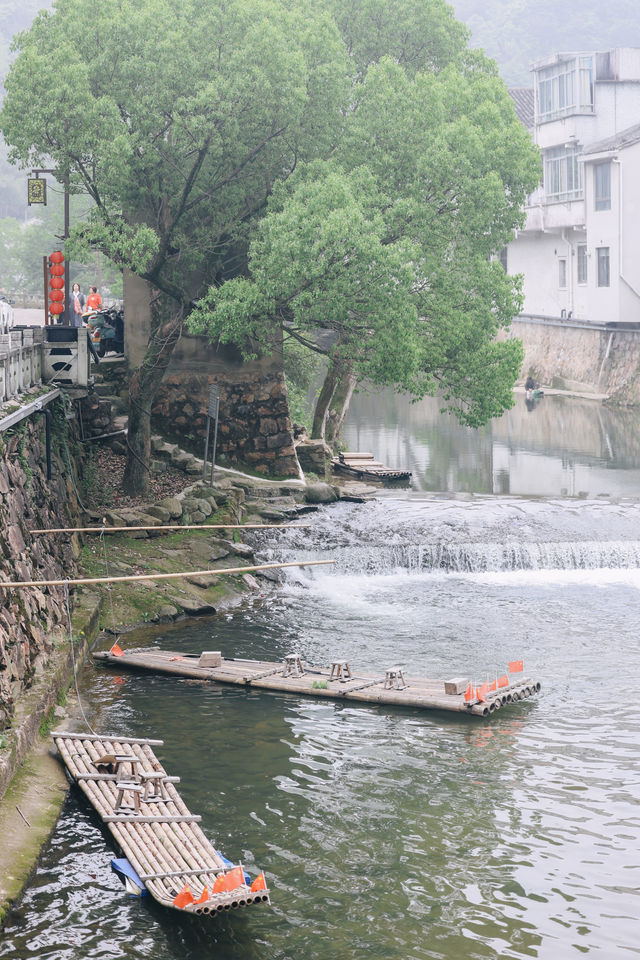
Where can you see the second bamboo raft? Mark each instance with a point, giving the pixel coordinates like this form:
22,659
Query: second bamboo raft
337,682
168,854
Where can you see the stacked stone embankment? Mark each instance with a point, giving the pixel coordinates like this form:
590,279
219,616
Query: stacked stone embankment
254,423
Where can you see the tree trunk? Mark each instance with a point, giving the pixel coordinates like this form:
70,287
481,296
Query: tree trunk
166,325
339,405
324,399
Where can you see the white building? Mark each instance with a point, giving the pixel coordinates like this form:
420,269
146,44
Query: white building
579,250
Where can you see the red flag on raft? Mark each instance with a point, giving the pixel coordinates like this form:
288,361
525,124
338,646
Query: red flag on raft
503,681
184,898
259,883
516,666
204,896
469,694
493,686
218,886
482,691
233,879
116,650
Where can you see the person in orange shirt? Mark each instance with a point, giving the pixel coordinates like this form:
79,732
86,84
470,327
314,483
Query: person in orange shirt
94,300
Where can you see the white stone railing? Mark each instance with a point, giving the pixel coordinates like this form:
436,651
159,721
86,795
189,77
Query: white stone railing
20,362
28,358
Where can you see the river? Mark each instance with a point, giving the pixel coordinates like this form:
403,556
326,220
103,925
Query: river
392,833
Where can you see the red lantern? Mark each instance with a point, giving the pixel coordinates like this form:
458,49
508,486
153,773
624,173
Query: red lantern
56,309
57,270
57,296
56,257
56,283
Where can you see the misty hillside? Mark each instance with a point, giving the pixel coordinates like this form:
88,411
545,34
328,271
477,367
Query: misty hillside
517,32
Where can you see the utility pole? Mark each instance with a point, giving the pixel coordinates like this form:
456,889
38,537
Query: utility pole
42,198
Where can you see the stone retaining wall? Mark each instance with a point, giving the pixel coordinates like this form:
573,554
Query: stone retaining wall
29,618
594,360
254,426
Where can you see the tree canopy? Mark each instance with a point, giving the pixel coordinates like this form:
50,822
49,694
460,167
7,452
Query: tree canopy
285,163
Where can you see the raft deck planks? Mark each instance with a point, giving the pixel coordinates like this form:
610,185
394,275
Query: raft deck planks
419,692
163,842
365,467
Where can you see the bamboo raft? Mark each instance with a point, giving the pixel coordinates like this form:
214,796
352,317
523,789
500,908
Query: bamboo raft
363,466
167,854
337,683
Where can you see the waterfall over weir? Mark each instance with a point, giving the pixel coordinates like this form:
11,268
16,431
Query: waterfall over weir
482,535
489,557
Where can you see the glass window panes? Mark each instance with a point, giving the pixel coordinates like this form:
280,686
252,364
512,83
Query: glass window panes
602,186
562,174
603,266
565,88
582,263
562,273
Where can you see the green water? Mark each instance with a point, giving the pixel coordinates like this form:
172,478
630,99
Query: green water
395,834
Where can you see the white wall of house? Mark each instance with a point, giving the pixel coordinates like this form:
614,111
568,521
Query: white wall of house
578,252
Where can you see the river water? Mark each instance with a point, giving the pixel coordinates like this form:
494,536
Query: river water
393,833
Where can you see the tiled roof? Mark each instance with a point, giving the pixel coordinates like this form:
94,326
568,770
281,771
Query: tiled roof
625,138
523,102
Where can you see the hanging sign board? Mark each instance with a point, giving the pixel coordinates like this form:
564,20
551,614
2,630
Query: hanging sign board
36,190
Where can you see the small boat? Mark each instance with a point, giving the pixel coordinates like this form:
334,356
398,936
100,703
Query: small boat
363,466
166,853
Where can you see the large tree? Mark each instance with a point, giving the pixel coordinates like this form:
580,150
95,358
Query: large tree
388,245
179,120
175,117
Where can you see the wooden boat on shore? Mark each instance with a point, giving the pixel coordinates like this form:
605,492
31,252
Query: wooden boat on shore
166,852
363,466
338,682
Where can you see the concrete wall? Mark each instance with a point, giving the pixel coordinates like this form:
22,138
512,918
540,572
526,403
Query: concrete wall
594,360
255,428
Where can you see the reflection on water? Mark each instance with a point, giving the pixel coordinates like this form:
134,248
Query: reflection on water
560,447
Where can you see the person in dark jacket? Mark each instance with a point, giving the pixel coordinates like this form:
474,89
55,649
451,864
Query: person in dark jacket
76,307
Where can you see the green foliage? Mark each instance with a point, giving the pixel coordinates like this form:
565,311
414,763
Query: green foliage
320,685
386,246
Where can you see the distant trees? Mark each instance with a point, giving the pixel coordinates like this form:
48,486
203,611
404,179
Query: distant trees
517,32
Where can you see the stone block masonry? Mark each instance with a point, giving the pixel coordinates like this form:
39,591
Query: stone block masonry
29,618
572,355
254,425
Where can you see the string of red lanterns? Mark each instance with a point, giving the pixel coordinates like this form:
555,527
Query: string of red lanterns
56,283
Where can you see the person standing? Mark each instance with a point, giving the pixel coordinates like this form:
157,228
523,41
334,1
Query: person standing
94,300
76,307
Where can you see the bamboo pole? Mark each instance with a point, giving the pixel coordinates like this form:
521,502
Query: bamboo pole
9,585
178,526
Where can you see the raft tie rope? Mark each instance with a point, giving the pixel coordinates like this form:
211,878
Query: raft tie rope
73,658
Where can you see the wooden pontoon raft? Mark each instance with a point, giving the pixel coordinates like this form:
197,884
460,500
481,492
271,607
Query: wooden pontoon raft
363,466
167,854
338,682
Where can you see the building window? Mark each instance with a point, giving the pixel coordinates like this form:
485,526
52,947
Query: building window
602,185
603,266
504,258
582,263
562,174
564,88
562,273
